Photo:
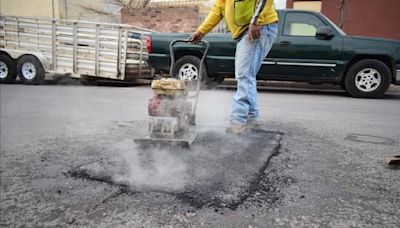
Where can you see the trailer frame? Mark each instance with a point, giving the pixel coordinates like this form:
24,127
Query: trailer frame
78,48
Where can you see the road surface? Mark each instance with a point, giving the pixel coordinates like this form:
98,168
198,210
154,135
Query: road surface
68,159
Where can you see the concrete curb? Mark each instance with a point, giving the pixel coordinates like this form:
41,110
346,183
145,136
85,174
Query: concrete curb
302,85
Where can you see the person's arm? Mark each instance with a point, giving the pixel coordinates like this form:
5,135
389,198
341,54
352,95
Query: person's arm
213,18
254,29
259,8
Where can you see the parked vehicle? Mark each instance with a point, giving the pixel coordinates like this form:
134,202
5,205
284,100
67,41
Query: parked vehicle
309,48
32,47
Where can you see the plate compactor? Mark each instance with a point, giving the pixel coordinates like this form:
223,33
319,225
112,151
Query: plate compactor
172,109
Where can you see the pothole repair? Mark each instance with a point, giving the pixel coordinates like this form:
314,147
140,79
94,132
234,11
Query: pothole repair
218,170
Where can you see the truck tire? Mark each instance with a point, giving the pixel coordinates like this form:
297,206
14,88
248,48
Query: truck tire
368,78
187,68
30,70
8,69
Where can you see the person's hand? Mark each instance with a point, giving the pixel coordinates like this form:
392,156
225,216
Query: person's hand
196,36
254,32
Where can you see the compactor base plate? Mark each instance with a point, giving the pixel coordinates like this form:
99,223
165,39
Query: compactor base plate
184,139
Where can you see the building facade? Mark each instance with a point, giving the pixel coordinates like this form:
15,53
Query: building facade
157,15
93,10
358,17
171,16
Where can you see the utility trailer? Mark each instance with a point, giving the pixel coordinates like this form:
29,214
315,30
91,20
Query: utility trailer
32,47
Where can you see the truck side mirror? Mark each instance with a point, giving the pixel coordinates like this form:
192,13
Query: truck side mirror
324,33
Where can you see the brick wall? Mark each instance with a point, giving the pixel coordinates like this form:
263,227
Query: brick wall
165,19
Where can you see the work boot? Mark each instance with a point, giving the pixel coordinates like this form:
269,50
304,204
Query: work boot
253,125
236,128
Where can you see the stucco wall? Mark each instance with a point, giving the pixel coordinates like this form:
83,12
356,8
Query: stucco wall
75,9
29,8
308,5
63,9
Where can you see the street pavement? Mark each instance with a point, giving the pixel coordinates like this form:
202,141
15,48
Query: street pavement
68,159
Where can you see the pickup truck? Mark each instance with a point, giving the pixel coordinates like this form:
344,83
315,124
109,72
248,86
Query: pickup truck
309,48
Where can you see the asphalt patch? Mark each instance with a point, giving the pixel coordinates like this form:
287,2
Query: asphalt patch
218,170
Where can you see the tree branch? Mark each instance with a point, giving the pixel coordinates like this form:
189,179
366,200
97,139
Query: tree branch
119,4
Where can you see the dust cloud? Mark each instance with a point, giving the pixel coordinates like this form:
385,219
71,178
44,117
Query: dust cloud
151,169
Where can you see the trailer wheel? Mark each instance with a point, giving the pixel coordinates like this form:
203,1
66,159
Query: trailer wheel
30,70
8,69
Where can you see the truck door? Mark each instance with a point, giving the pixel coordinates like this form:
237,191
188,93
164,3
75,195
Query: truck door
300,55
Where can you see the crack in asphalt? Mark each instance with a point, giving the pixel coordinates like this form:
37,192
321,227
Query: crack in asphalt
370,139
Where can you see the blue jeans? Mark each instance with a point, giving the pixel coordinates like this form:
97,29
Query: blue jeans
248,59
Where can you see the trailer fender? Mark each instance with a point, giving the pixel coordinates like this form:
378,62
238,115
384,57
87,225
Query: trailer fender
16,54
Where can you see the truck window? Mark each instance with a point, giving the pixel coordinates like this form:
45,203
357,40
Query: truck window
301,24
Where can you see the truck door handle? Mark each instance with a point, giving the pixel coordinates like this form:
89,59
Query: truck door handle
284,43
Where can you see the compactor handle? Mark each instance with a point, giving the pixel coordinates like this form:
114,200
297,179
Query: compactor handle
202,42
199,77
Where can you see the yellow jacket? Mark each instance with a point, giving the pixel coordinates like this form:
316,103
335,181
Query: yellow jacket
239,14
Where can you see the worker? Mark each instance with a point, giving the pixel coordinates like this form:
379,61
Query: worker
253,24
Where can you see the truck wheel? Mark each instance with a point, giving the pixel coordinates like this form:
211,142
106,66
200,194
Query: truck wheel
30,70
187,68
8,69
368,78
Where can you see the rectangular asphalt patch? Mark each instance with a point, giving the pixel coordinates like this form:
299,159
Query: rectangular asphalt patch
219,170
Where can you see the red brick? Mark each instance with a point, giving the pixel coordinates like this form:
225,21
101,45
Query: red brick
169,19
